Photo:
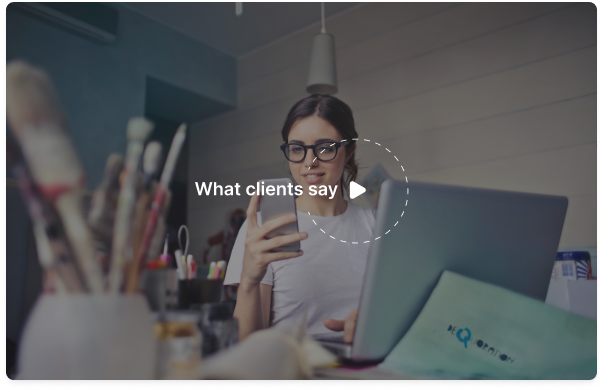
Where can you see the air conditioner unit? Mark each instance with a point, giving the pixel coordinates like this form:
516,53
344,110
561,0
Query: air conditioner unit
93,20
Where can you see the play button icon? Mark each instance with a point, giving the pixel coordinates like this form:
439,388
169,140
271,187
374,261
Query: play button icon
356,190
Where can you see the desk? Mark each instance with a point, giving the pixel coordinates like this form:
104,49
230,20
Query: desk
357,373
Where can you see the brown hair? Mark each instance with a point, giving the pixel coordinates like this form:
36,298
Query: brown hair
339,115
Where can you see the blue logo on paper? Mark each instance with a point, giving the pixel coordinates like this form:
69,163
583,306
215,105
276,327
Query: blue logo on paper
466,339
478,343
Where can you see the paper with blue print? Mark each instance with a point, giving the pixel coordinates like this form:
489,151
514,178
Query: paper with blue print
470,329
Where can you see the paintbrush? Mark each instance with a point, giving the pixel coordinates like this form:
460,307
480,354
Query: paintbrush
137,132
36,120
53,253
156,206
150,165
101,218
150,162
160,229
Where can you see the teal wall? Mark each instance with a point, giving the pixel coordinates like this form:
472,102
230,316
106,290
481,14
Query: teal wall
101,86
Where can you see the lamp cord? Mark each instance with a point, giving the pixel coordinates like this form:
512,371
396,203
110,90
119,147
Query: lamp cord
322,11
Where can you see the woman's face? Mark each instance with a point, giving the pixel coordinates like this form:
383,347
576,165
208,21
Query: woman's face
311,171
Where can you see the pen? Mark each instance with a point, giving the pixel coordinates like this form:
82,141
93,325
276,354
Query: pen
216,271
212,266
165,257
180,270
184,248
222,269
192,267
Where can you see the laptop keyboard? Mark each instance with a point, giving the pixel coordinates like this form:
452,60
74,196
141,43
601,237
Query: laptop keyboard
329,337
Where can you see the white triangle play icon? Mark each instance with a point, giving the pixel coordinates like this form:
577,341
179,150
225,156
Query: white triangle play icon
355,190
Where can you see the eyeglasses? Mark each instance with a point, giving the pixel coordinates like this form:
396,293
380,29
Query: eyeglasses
324,151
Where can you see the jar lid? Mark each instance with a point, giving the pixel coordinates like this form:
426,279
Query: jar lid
573,256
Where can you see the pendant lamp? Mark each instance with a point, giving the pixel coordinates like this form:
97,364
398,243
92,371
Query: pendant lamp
322,77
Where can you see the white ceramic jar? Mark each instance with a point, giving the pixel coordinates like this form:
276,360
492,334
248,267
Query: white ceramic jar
88,337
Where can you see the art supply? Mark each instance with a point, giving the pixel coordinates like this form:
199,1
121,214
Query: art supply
212,266
192,267
150,161
187,259
150,165
35,118
158,239
223,270
138,131
216,272
181,267
184,248
101,218
165,257
53,251
221,265
164,183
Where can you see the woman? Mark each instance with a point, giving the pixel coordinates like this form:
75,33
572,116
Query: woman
325,277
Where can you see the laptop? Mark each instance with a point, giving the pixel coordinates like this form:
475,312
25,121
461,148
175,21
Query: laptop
505,238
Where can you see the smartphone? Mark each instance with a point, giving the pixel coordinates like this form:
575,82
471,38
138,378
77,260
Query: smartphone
281,202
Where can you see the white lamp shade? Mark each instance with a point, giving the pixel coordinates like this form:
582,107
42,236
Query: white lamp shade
322,78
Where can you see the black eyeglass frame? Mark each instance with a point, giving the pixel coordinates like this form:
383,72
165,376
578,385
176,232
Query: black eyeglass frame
306,147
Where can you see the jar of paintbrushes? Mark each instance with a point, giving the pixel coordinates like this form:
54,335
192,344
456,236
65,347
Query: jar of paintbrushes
92,322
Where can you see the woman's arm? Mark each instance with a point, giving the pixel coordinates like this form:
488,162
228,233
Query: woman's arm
253,308
253,298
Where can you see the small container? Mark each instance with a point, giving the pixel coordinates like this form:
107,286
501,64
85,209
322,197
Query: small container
199,291
88,337
572,265
161,288
178,345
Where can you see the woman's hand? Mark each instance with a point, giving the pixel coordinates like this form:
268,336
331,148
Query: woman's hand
348,325
257,248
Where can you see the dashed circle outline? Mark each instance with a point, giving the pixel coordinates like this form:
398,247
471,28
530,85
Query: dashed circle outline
405,204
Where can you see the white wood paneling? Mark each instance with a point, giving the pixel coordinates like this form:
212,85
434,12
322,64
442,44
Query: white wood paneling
482,97
494,95
456,25
423,36
567,171
561,124
357,24
469,59
580,228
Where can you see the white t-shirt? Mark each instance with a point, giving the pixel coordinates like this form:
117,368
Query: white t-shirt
327,278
